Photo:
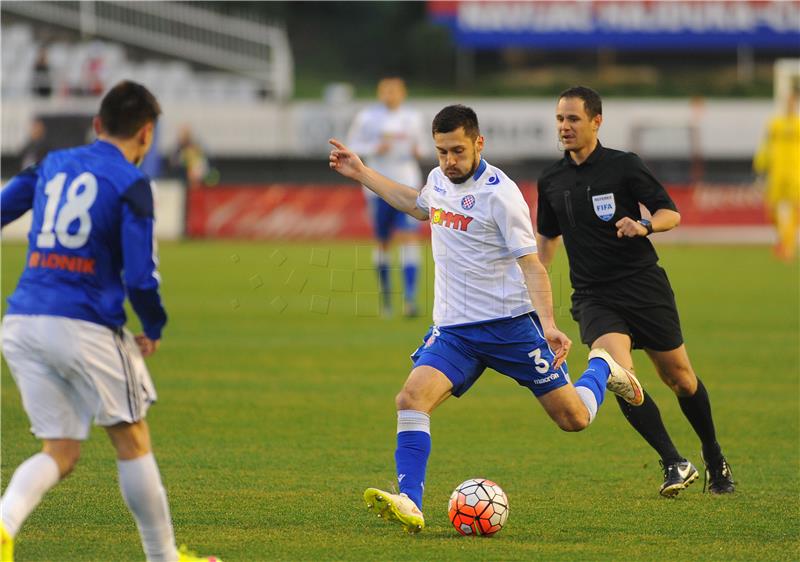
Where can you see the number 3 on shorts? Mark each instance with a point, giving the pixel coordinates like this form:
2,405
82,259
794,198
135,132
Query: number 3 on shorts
540,364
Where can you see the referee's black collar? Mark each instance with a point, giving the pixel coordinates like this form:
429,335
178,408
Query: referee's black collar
593,157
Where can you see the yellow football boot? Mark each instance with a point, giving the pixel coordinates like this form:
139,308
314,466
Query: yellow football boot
6,545
185,555
395,507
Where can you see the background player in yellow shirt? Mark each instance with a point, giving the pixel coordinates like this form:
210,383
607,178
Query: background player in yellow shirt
778,159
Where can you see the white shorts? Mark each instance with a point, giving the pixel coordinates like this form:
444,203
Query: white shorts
71,371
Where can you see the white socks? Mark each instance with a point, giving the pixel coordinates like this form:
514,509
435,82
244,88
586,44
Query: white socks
413,420
410,255
589,400
30,483
140,484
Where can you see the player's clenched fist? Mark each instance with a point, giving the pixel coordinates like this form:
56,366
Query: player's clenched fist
344,160
630,228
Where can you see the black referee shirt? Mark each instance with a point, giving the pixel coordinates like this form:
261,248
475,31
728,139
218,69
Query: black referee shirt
582,203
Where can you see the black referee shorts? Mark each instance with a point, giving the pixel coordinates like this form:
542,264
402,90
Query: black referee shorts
642,306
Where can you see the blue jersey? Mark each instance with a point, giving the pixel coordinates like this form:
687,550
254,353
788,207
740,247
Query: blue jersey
91,240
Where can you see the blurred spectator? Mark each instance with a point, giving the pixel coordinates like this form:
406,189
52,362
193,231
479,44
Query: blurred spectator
94,70
191,159
36,148
42,83
778,159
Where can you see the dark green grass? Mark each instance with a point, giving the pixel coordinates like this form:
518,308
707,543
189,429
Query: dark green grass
276,383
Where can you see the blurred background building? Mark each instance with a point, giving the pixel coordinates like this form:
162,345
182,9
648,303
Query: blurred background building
689,85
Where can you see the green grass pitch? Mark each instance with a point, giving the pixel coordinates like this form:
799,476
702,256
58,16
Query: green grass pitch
276,382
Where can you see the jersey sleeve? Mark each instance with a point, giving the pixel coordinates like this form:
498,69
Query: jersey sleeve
16,198
646,188
423,201
546,219
360,138
513,218
139,257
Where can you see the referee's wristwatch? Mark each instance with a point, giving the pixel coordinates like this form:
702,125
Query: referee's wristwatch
647,224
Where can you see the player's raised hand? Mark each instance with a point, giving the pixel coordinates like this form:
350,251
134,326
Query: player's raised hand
147,346
629,228
345,161
560,344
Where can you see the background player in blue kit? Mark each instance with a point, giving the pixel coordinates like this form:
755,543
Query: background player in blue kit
91,242
488,283
389,135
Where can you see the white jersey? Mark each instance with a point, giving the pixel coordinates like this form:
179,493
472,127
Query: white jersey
478,230
402,129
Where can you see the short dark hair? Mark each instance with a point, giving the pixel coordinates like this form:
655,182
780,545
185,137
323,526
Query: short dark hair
126,108
591,99
453,117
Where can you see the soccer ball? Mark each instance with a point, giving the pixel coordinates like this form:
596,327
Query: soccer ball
478,507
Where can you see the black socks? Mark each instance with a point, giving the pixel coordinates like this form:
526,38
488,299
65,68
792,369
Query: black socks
646,419
697,409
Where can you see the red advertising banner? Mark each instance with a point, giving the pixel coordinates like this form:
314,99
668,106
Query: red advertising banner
317,212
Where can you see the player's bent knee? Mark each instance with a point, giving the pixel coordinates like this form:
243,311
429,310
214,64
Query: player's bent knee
131,441
66,453
681,380
407,399
573,423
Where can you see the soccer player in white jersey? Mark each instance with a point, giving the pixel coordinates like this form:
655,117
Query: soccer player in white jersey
389,135
90,245
492,304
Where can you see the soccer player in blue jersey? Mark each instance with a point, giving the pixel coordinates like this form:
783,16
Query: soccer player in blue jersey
389,135
492,304
90,244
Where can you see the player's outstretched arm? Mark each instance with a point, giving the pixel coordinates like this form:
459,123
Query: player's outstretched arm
541,294
401,197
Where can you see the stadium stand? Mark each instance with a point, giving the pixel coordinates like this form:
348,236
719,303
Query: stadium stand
70,64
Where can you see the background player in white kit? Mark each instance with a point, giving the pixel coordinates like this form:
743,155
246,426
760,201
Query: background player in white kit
91,243
389,135
488,283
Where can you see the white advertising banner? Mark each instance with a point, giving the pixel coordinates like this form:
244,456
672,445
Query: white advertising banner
515,129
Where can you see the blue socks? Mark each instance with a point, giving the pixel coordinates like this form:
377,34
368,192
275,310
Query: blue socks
410,258
385,280
591,387
410,283
413,450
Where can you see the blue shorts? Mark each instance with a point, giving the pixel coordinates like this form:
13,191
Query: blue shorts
514,347
386,219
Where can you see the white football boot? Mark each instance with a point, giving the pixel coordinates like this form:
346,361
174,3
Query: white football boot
621,381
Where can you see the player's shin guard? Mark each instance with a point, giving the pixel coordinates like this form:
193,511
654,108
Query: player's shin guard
413,450
591,387
140,484
410,257
30,483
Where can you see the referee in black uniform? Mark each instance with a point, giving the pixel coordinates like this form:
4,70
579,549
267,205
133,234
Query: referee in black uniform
622,298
